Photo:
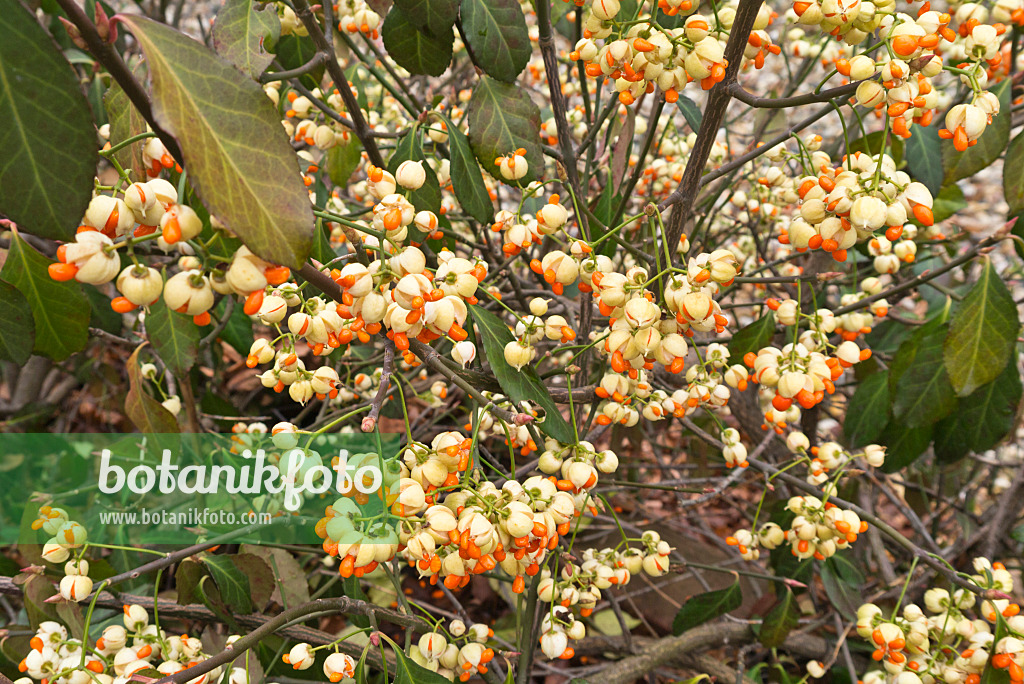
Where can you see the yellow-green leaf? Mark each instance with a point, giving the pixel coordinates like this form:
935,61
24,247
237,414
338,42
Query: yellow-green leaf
125,122
237,155
240,32
46,131
982,333
60,310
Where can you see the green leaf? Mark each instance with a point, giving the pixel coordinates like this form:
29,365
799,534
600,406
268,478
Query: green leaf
981,419
982,333
174,336
186,579
842,583
523,384
414,50
240,34
60,310
992,674
258,575
143,410
1013,179
503,119
46,131
435,17
125,122
467,179
428,195
343,160
903,445
691,112
782,619
949,201
409,672
231,582
752,337
918,383
924,156
238,331
497,35
292,587
990,145
17,329
238,157
293,51
707,606
868,411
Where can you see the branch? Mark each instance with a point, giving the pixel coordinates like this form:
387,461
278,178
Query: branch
106,55
714,113
359,125
741,94
370,422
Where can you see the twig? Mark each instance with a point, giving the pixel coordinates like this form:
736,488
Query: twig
370,421
106,55
741,94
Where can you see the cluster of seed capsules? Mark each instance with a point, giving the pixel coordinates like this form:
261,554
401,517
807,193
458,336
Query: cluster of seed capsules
954,638
818,528
118,654
638,56
458,650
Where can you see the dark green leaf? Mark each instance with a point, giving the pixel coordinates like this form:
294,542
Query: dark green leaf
428,195
293,51
780,621
691,112
868,411
100,314
17,328
503,119
259,576
238,157
71,615
949,201
414,50
991,674
918,383
924,156
981,419
46,131
1013,179
174,336
707,606
842,585
232,583
467,180
186,580
143,410
238,331
753,337
903,445
982,333
989,146
353,589
60,310
435,17
35,591
497,35
241,31
523,384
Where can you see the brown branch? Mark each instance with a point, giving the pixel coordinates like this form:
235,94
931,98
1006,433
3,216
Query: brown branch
370,421
106,55
320,40
685,194
741,94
